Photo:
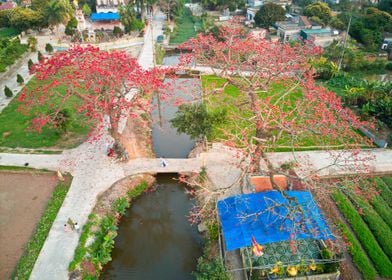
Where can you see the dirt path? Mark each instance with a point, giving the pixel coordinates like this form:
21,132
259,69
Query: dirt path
23,197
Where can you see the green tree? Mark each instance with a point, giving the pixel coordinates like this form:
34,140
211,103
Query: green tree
128,17
25,18
58,12
337,23
8,92
39,5
269,14
48,48
5,16
71,27
385,5
377,20
320,10
19,79
196,121
86,10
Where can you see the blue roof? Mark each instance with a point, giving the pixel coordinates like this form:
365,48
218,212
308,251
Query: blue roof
104,16
263,215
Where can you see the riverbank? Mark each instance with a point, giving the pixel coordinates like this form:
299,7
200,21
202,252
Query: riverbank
97,238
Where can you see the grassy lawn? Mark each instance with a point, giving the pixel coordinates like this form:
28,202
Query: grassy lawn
37,240
185,28
237,116
17,124
10,51
8,32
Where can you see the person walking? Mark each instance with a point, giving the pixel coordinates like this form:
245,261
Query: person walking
76,227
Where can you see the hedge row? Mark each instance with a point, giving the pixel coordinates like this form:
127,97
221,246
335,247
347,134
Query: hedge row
382,208
388,182
376,224
385,192
360,258
365,236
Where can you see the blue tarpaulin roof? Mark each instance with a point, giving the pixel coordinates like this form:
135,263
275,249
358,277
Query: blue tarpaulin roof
264,216
104,16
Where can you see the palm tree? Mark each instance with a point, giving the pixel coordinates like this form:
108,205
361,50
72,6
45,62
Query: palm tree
58,12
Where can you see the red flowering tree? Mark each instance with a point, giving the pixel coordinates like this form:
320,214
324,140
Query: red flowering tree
102,86
277,102
273,102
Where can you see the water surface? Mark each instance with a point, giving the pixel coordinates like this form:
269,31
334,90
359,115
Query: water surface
155,240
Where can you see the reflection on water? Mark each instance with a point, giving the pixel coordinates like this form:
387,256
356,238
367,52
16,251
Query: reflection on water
167,143
155,239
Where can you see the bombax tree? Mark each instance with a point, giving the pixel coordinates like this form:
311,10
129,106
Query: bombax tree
279,105
100,85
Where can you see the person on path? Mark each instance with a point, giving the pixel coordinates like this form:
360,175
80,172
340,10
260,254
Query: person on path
71,224
66,228
77,227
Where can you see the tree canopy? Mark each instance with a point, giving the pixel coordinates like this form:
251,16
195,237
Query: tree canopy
98,82
257,68
269,14
58,12
320,10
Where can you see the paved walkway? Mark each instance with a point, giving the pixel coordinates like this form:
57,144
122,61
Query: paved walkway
94,172
146,57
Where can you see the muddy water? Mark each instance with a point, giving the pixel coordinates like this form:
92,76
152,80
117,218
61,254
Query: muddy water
155,240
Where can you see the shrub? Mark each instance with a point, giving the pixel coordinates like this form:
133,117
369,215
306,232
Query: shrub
360,259
382,208
389,66
19,79
8,92
32,43
40,56
117,31
385,192
48,48
30,64
365,236
213,230
135,192
120,205
210,270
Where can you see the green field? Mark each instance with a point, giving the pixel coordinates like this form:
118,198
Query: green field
18,124
371,223
238,116
8,32
185,28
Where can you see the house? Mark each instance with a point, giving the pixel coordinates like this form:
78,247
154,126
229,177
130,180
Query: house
288,30
7,5
107,10
322,37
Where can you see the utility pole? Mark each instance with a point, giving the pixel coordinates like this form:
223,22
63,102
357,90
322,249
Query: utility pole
345,40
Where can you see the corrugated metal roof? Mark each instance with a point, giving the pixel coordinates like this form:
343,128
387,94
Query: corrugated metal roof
105,16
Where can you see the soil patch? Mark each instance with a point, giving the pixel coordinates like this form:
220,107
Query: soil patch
23,198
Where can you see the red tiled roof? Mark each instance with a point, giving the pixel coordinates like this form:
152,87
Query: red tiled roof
7,6
261,183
